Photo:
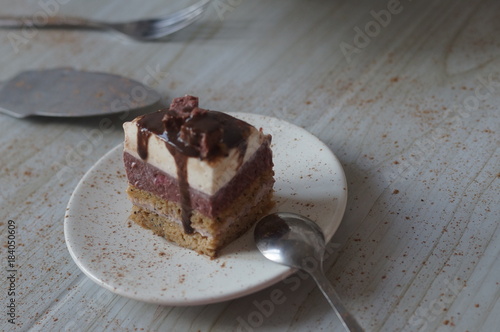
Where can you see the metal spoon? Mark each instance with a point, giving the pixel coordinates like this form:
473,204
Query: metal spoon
293,240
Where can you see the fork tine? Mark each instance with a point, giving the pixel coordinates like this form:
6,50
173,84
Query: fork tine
184,14
164,26
159,32
201,5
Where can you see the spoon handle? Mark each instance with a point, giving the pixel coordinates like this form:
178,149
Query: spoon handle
345,317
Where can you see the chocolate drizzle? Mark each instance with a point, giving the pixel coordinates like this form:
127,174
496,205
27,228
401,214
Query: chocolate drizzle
190,131
142,143
147,124
187,209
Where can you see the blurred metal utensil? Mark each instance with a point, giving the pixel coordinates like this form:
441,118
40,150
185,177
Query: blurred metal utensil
66,92
145,29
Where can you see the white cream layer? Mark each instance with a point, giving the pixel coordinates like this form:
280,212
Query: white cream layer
207,177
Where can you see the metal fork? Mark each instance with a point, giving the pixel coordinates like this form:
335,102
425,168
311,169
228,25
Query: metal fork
146,29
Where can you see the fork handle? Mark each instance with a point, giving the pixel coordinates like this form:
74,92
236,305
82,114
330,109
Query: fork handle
47,22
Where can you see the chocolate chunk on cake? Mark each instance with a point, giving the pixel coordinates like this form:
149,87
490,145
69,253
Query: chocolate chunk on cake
197,177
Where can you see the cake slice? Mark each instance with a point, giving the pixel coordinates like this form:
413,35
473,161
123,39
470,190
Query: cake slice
199,178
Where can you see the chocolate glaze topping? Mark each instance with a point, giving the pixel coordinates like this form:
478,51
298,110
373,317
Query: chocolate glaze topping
190,131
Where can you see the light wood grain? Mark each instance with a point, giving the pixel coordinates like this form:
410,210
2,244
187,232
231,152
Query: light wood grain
411,116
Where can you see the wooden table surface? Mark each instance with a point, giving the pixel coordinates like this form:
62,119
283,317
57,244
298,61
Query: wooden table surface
405,93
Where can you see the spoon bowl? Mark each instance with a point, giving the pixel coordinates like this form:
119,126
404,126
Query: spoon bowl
290,239
296,241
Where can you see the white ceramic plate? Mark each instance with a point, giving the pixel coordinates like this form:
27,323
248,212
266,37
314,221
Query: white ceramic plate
129,260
